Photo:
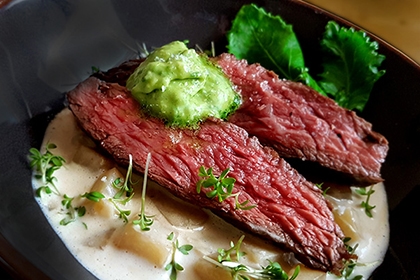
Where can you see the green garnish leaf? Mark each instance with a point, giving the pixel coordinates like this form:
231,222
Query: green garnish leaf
185,249
220,187
365,204
240,271
171,236
93,196
45,165
350,66
144,221
350,264
124,195
81,211
66,202
124,186
324,191
95,69
174,267
258,36
350,59
226,254
73,213
44,189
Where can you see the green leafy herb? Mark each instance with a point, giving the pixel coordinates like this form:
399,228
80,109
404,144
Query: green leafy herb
365,204
125,186
45,189
350,67
220,187
240,271
174,267
45,165
350,59
95,70
324,191
210,53
350,264
122,214
73,213
225,254
93,196
125,192
261,37
144,221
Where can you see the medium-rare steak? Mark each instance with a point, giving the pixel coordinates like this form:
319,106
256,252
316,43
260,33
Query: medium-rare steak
289,210
301,123
294,119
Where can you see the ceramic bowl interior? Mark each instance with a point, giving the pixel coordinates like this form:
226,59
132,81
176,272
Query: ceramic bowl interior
47,47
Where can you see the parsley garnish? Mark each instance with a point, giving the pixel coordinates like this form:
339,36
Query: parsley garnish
365,204
174,267
45,165
220,187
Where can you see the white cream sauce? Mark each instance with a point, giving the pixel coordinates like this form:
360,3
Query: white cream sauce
112,249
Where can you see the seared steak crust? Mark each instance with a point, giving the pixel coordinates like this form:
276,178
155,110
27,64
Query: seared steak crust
290,210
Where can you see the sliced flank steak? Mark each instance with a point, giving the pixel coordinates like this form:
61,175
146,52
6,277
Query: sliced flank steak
296,120
290,210
301,123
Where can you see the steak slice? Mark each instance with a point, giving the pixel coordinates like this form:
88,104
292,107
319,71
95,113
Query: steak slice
296,120
301,123
289,210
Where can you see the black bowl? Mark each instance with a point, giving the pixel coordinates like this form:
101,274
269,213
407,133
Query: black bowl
47,47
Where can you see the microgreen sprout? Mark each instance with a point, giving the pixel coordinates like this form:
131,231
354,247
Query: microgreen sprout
122,214
350,264
211,52
93,196
365,204
45,165
95,70
225,254
142,51
324,191
220,187
73,213
125,192
124,186
174,267
240,271
144,221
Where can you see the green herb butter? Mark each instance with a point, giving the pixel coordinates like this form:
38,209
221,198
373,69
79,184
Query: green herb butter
182,87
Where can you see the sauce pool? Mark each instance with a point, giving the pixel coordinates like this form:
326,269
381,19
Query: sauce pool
113,249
